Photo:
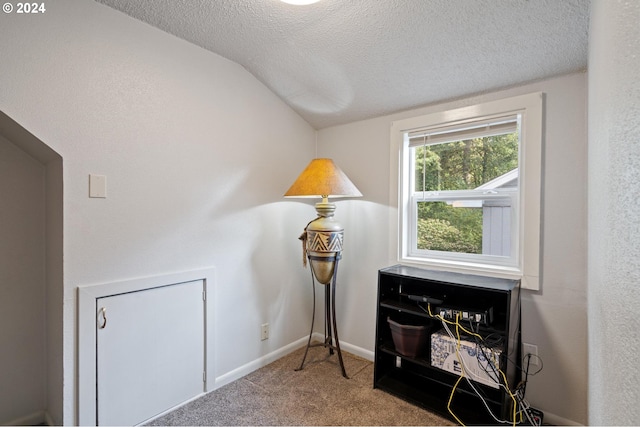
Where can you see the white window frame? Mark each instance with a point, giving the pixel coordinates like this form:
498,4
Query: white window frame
526,262
485,126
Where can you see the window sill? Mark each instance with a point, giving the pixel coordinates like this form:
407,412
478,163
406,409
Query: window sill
467,268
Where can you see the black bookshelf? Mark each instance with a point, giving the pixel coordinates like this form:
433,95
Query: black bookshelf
414,378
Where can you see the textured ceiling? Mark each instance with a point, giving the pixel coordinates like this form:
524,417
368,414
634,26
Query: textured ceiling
339,61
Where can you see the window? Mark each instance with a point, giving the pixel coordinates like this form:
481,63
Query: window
469,188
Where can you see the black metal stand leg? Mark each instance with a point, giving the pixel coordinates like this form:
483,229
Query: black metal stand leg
333,319
328,342
331,329
313,318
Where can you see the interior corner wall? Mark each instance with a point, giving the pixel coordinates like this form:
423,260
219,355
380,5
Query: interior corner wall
22,285
197,154
614,203
31,226
555,318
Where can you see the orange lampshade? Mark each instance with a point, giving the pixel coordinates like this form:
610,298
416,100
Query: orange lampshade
322,178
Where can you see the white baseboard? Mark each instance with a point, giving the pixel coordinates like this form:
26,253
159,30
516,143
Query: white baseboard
350,348
358,351
246,369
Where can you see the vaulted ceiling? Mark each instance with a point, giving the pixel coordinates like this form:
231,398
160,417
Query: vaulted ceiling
338,61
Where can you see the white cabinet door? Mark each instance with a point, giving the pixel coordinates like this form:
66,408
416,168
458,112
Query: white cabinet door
150,352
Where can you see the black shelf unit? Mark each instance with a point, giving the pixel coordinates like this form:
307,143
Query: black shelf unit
414,378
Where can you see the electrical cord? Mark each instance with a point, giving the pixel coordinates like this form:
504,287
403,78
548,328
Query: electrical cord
465,373
520,406
478,339
525,408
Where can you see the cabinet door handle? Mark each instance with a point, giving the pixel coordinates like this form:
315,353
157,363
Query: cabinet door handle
103,311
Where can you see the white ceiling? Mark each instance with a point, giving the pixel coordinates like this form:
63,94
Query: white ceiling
339,61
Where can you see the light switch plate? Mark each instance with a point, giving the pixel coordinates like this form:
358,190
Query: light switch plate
97,186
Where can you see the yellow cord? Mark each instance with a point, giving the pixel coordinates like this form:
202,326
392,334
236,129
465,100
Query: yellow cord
515,404
459,339
453,390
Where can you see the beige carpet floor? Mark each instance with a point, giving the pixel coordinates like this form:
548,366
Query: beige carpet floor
318,395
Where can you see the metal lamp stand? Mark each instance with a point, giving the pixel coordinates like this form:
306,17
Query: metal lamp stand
330,330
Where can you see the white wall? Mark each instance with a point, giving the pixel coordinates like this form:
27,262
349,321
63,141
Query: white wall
554,319
193,148
614,203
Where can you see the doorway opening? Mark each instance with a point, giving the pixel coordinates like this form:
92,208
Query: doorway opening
31,277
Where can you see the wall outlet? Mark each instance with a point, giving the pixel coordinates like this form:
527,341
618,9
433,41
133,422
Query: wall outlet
264,331
530,349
